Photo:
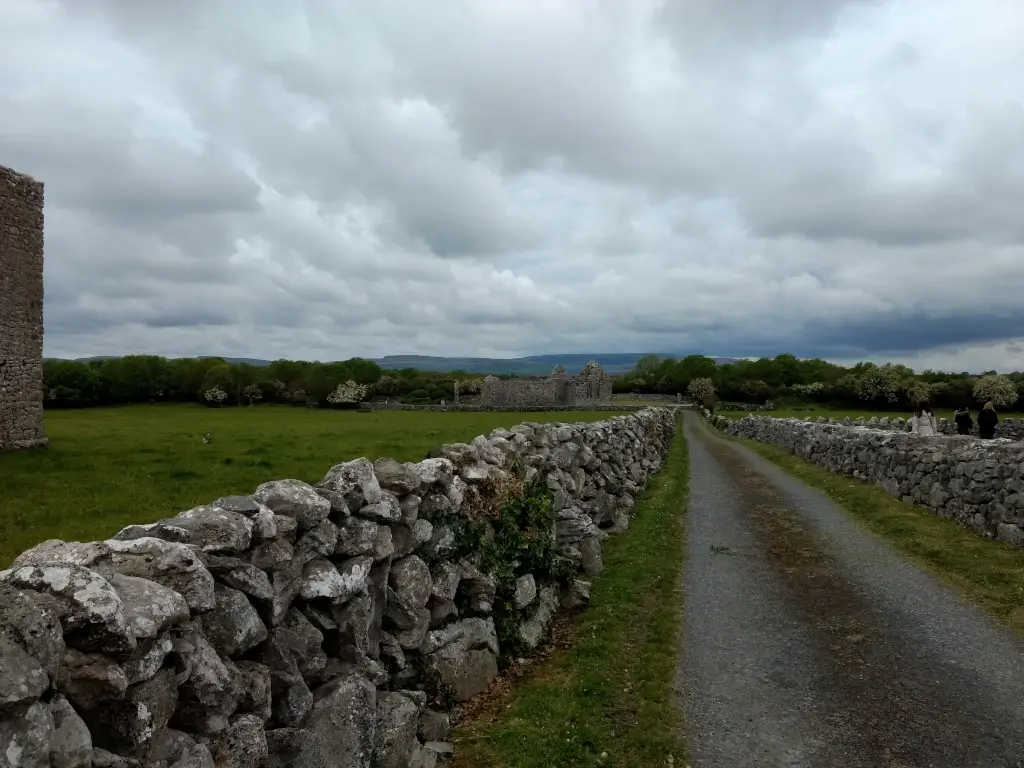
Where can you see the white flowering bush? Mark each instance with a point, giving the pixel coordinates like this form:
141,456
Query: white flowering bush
215,396
701,388
809,390
918,392
251,393
1001,390
878,382
347,394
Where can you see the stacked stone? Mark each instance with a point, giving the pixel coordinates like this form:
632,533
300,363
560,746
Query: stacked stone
327,625
21,312
978,483
1007,428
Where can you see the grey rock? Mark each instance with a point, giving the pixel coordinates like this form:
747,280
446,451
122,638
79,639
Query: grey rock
320,540
441,542
590,551
291,707
101,758
287,527
173,565
391,652
356,536
92,614
342,724
58,552
400,479
210,695
355,481
22,679
433,726
410,582
441,612
243,744
280,654
246,578
25,741
397,721
411,636
383,544
461,671
386,510
208,528
577,596
233,627
149,608
444,579
287,581
294,499
410,507
32,620
90,679
253,681
534,629
147,659
71,743
525,591
127,727
272,554
175,749
353,620
321,579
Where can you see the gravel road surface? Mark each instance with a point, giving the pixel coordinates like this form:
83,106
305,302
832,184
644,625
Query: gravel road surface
809,642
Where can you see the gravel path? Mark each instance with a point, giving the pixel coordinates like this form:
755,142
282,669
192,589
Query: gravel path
808,642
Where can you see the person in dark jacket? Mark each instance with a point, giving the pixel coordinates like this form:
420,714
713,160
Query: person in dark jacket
964,422
987,420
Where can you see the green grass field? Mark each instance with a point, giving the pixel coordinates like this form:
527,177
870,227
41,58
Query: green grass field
839,413
608,699
109,467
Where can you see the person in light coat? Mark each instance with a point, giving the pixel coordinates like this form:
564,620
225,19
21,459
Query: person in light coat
924,422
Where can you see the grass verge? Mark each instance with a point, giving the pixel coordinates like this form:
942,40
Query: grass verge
608,698
986,572
109,467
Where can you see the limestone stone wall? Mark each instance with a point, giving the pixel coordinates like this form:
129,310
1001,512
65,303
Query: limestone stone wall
591,385
21,311
979,483
314,626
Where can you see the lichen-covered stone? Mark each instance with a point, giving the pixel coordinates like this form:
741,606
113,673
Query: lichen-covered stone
294,499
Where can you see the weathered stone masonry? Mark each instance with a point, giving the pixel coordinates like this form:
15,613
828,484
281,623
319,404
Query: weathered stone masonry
590,385
309,626
978,483
21,311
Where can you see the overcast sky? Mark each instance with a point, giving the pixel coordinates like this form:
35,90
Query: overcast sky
326,178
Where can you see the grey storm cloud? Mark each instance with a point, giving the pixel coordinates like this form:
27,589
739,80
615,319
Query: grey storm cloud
328,178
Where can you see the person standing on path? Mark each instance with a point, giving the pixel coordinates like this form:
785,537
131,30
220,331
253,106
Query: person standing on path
987,420
923,423
964,422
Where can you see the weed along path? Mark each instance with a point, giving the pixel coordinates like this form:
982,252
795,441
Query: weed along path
808,642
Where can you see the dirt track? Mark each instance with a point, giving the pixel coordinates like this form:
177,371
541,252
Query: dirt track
810,643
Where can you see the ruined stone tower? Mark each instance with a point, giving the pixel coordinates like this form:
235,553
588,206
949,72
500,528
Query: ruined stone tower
21,311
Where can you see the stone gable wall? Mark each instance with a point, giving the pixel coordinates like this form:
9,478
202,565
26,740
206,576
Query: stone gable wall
21,311
591,385
312,626
978,483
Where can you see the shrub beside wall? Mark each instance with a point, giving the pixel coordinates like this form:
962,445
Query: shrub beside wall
327,625
979,483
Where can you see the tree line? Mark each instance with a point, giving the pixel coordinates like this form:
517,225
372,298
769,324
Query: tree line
216,382
786,379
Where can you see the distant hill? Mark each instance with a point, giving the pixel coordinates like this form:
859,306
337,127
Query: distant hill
534,365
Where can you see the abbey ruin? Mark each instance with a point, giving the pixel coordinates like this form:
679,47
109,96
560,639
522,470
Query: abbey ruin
591,384
21,311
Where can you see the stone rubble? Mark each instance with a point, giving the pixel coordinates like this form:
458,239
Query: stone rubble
978,483
328,625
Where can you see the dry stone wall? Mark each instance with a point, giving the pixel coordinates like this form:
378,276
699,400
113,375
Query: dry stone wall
314,626
978,483
21,311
